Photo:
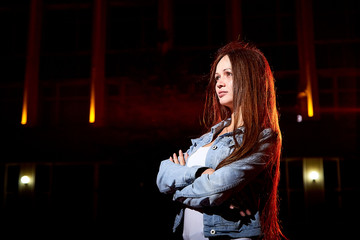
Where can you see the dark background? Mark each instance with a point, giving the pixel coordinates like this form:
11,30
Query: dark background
99,179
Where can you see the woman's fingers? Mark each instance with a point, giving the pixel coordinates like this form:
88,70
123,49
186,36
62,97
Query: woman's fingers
175,158
181,158
242,213
186,157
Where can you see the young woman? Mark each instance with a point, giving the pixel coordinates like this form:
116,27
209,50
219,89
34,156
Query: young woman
227,181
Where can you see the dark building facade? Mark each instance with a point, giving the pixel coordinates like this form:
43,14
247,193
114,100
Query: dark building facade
94,94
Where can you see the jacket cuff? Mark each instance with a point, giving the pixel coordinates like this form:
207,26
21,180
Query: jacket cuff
191,174
200,171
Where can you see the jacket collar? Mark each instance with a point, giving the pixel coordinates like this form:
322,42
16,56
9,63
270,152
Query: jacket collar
220,126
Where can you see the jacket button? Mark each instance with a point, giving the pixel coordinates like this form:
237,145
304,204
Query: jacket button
214,147
212,231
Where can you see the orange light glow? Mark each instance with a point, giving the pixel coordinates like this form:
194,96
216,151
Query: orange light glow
92,105
310,105
24,110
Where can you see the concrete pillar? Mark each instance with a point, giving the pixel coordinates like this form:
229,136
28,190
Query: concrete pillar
31,85
97,86
234,20
308,87
165,26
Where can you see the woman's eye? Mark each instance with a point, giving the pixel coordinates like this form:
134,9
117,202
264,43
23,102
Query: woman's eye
228,74
217,78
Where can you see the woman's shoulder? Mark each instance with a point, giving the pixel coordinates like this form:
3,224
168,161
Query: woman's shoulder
200,139
268,134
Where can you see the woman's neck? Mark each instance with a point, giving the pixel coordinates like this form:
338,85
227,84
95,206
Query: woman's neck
239,122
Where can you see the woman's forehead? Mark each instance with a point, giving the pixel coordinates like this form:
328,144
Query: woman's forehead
223,64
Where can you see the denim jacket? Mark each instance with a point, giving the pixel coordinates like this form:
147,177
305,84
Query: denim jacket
213,194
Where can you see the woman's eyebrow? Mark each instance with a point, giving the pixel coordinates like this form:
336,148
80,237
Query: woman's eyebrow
225,69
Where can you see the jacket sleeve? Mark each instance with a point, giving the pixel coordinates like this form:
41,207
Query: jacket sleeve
214,189
172,177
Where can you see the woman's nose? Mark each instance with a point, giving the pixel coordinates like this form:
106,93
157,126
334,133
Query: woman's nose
220,83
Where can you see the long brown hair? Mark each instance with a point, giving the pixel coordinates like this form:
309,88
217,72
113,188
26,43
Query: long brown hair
254,98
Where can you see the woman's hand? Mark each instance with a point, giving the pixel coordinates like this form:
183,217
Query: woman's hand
245,202
208,171
179,160
243,212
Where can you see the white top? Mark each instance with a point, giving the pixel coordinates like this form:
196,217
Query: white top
193,220
198,157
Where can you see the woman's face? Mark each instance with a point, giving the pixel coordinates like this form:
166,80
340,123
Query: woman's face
224,82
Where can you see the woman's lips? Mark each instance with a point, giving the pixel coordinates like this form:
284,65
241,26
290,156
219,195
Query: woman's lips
222,93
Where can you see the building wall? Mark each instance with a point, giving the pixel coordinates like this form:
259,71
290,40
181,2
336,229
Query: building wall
149,61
